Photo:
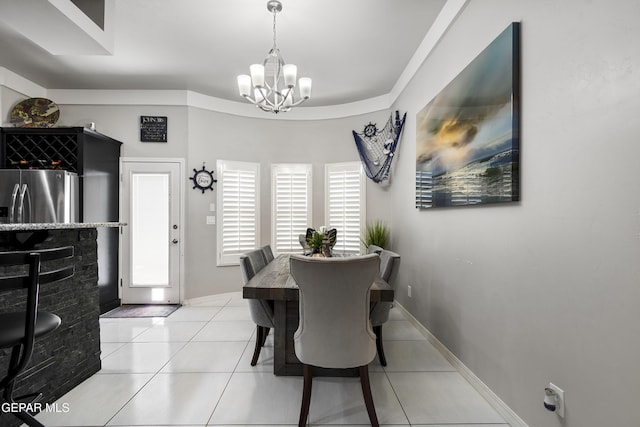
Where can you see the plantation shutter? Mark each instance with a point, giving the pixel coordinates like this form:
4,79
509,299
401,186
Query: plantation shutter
290,205
239,210
345,204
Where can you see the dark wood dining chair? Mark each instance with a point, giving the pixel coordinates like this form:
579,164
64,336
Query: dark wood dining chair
334,329
19,329
261,310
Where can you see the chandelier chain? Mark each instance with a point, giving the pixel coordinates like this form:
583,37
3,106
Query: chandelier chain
274,29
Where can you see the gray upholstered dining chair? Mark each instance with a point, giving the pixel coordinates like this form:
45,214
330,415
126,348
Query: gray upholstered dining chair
374,249
389,262
256,260
334,329
261,310
267,253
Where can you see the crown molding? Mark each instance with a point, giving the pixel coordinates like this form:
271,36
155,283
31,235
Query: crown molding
442,23
19,84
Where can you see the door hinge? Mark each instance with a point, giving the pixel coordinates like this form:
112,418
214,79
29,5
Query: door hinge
120,282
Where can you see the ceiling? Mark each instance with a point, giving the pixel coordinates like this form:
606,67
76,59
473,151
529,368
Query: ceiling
353,50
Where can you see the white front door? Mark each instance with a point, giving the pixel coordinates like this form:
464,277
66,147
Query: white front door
152,241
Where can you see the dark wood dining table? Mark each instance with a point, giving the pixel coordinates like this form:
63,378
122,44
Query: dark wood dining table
275,283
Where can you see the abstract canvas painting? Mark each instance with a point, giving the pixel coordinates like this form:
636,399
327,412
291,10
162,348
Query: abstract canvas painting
467,137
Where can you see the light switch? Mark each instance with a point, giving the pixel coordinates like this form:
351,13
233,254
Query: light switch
212,207
211,220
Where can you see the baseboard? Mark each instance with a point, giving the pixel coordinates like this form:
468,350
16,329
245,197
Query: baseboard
209,299
505,412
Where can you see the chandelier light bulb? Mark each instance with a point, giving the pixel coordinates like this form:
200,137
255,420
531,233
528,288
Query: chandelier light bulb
273,81
305,87
257,74
244,84
290,72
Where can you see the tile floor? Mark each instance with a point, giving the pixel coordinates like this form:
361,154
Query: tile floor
193,369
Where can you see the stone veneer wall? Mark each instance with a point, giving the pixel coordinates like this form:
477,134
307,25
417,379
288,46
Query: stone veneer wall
71,354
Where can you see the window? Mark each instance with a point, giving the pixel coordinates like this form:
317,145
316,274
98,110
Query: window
290,205
345,204
238,219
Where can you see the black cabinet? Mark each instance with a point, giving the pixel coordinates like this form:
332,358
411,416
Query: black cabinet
95,157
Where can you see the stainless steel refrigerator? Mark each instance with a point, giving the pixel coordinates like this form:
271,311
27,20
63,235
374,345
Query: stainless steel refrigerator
38,196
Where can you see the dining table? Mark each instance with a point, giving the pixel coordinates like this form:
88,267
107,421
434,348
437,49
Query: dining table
275,283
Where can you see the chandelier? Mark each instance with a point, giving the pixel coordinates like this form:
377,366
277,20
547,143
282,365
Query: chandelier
273,81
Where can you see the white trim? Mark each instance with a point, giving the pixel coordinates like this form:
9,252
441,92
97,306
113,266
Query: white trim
17,83
441,24
498,404
211,300
119,97
245,109
181,183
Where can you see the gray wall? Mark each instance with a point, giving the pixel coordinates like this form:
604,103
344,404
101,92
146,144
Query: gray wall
545,289
214,136
198,136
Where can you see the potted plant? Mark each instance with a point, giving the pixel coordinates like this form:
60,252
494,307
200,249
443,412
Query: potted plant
315,242
375,233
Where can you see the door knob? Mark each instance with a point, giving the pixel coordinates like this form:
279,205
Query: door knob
174,241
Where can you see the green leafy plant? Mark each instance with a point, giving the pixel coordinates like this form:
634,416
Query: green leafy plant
315,241
376,233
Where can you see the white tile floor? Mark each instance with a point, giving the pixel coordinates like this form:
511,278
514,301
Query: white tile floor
192,369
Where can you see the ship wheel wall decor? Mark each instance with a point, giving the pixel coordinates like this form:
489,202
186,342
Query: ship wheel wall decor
203,179
377,147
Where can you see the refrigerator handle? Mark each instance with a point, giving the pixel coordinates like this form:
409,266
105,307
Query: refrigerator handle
12,207
24,215
27,214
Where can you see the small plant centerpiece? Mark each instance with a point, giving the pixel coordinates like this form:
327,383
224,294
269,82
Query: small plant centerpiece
376,233
321,241
315,241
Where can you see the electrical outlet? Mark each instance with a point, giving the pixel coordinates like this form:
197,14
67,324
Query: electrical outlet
559,400
409,291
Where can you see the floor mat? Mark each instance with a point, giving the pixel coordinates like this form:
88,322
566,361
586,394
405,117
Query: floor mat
142,310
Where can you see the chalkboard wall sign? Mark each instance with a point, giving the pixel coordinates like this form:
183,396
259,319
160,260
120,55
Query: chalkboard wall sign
153,128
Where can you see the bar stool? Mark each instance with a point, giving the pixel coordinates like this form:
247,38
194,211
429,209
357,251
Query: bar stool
18,330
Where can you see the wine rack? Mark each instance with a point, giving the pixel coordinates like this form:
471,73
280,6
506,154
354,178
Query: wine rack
42,151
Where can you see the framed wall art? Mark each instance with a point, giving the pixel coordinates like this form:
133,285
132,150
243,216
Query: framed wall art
153,128
467,137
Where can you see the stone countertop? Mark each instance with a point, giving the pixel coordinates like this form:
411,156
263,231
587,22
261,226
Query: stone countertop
58,226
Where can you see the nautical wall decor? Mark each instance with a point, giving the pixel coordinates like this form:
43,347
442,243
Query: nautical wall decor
203,179
468,137
377,147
